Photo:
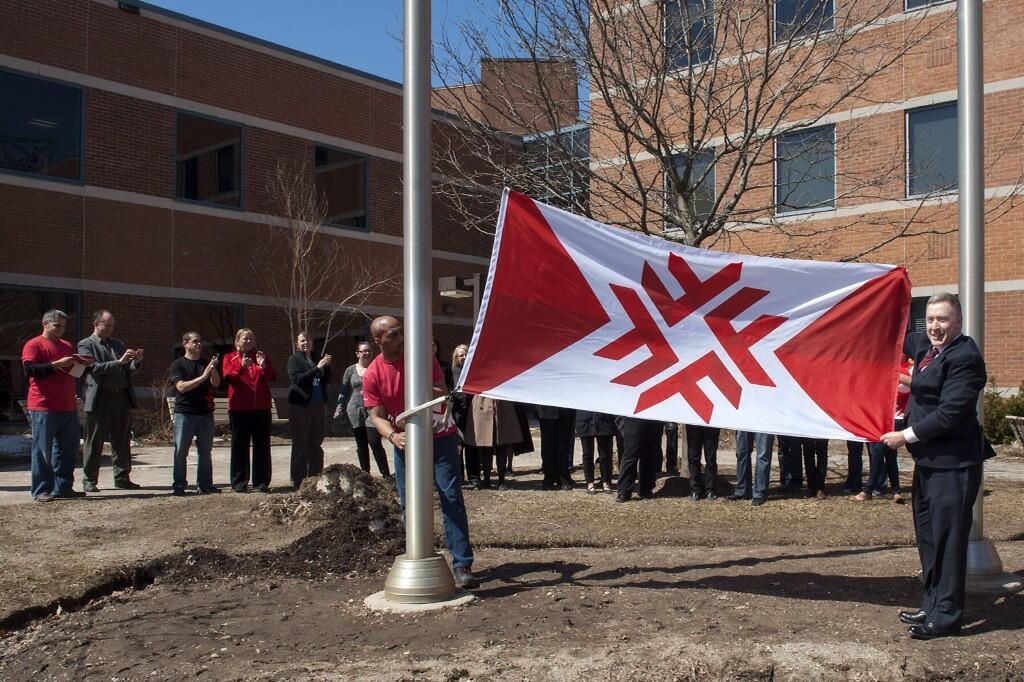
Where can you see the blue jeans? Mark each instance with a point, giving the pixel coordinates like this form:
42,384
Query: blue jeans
762,443
55,438
199,427
448,480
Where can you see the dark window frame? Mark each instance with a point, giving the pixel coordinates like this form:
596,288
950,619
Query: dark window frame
81,129
366,186
776,38
178,113
775,169
908,174
670,193
687,59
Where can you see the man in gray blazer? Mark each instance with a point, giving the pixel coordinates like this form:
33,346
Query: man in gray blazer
109,399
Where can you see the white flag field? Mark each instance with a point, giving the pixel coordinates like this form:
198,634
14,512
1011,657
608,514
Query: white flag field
580,315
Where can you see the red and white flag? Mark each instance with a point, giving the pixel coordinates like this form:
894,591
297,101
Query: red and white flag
581,315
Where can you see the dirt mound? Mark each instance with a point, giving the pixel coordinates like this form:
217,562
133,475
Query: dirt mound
358,529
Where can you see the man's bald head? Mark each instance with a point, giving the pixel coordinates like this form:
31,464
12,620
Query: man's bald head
381,325
388,335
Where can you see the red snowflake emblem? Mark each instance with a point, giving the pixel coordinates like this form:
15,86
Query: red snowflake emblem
696,293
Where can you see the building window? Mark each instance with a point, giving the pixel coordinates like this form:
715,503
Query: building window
40,127
558,164
802,18
21,311
931,150
805,170
918,314
917,4
696,171
341,183
689,31
209,161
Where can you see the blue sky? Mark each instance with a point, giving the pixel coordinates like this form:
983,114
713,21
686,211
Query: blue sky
362,34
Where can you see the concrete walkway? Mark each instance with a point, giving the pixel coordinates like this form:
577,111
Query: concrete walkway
152,468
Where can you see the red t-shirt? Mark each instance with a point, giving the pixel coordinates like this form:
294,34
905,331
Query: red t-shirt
384,386
54,393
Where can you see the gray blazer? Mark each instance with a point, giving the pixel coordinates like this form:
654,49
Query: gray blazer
350,396
105,371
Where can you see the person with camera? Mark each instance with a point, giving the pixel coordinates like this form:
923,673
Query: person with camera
307,395
194,379
249,372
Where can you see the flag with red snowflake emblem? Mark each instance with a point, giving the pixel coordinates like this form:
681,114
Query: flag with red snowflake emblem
581,315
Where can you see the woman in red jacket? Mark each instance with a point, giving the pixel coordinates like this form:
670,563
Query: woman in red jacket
248,372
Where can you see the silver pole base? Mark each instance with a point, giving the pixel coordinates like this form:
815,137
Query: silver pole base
985,573
419,581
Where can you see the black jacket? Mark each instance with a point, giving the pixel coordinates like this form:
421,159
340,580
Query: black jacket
301,373
594,423
943,403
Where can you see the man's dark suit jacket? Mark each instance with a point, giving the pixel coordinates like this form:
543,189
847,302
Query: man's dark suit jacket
107,363
943,403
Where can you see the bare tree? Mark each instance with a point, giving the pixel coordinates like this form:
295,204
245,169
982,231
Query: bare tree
319,285
707,119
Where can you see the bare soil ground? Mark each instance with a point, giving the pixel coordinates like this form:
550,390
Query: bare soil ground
574,586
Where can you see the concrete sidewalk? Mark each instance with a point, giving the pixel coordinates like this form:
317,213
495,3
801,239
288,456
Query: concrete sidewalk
152,467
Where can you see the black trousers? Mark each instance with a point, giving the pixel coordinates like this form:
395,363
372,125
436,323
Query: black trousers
110,420
943,502
367,439
702,438
815,462
250,426
488,455
671,447
791,472
642,440
306,425
604,457
556,441
471,456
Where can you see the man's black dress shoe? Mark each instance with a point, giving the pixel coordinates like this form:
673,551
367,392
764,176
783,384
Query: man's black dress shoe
913,617
127,485
90,487
928,631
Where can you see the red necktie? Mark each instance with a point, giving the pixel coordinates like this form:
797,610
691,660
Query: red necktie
927,359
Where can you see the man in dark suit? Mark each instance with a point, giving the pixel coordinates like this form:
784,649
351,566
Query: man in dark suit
945,439
109,399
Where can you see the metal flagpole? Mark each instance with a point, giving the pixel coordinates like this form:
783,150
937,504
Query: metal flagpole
420,575
984,567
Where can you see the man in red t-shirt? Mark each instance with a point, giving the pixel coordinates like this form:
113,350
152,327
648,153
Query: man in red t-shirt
50,364
384,396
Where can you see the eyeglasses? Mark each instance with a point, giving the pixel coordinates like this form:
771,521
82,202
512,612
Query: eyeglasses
361,352
197,341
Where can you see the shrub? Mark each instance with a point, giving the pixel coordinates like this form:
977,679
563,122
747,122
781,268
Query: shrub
996,408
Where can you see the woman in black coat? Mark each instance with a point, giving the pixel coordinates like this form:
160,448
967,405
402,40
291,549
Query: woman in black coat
591,426
307,394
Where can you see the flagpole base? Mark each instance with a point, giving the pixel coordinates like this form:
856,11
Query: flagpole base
985,573
419,581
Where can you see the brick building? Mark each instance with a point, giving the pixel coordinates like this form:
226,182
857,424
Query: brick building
136,146
853,177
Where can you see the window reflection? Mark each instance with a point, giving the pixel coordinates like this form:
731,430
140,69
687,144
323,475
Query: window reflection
209,161
341,182
40,127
